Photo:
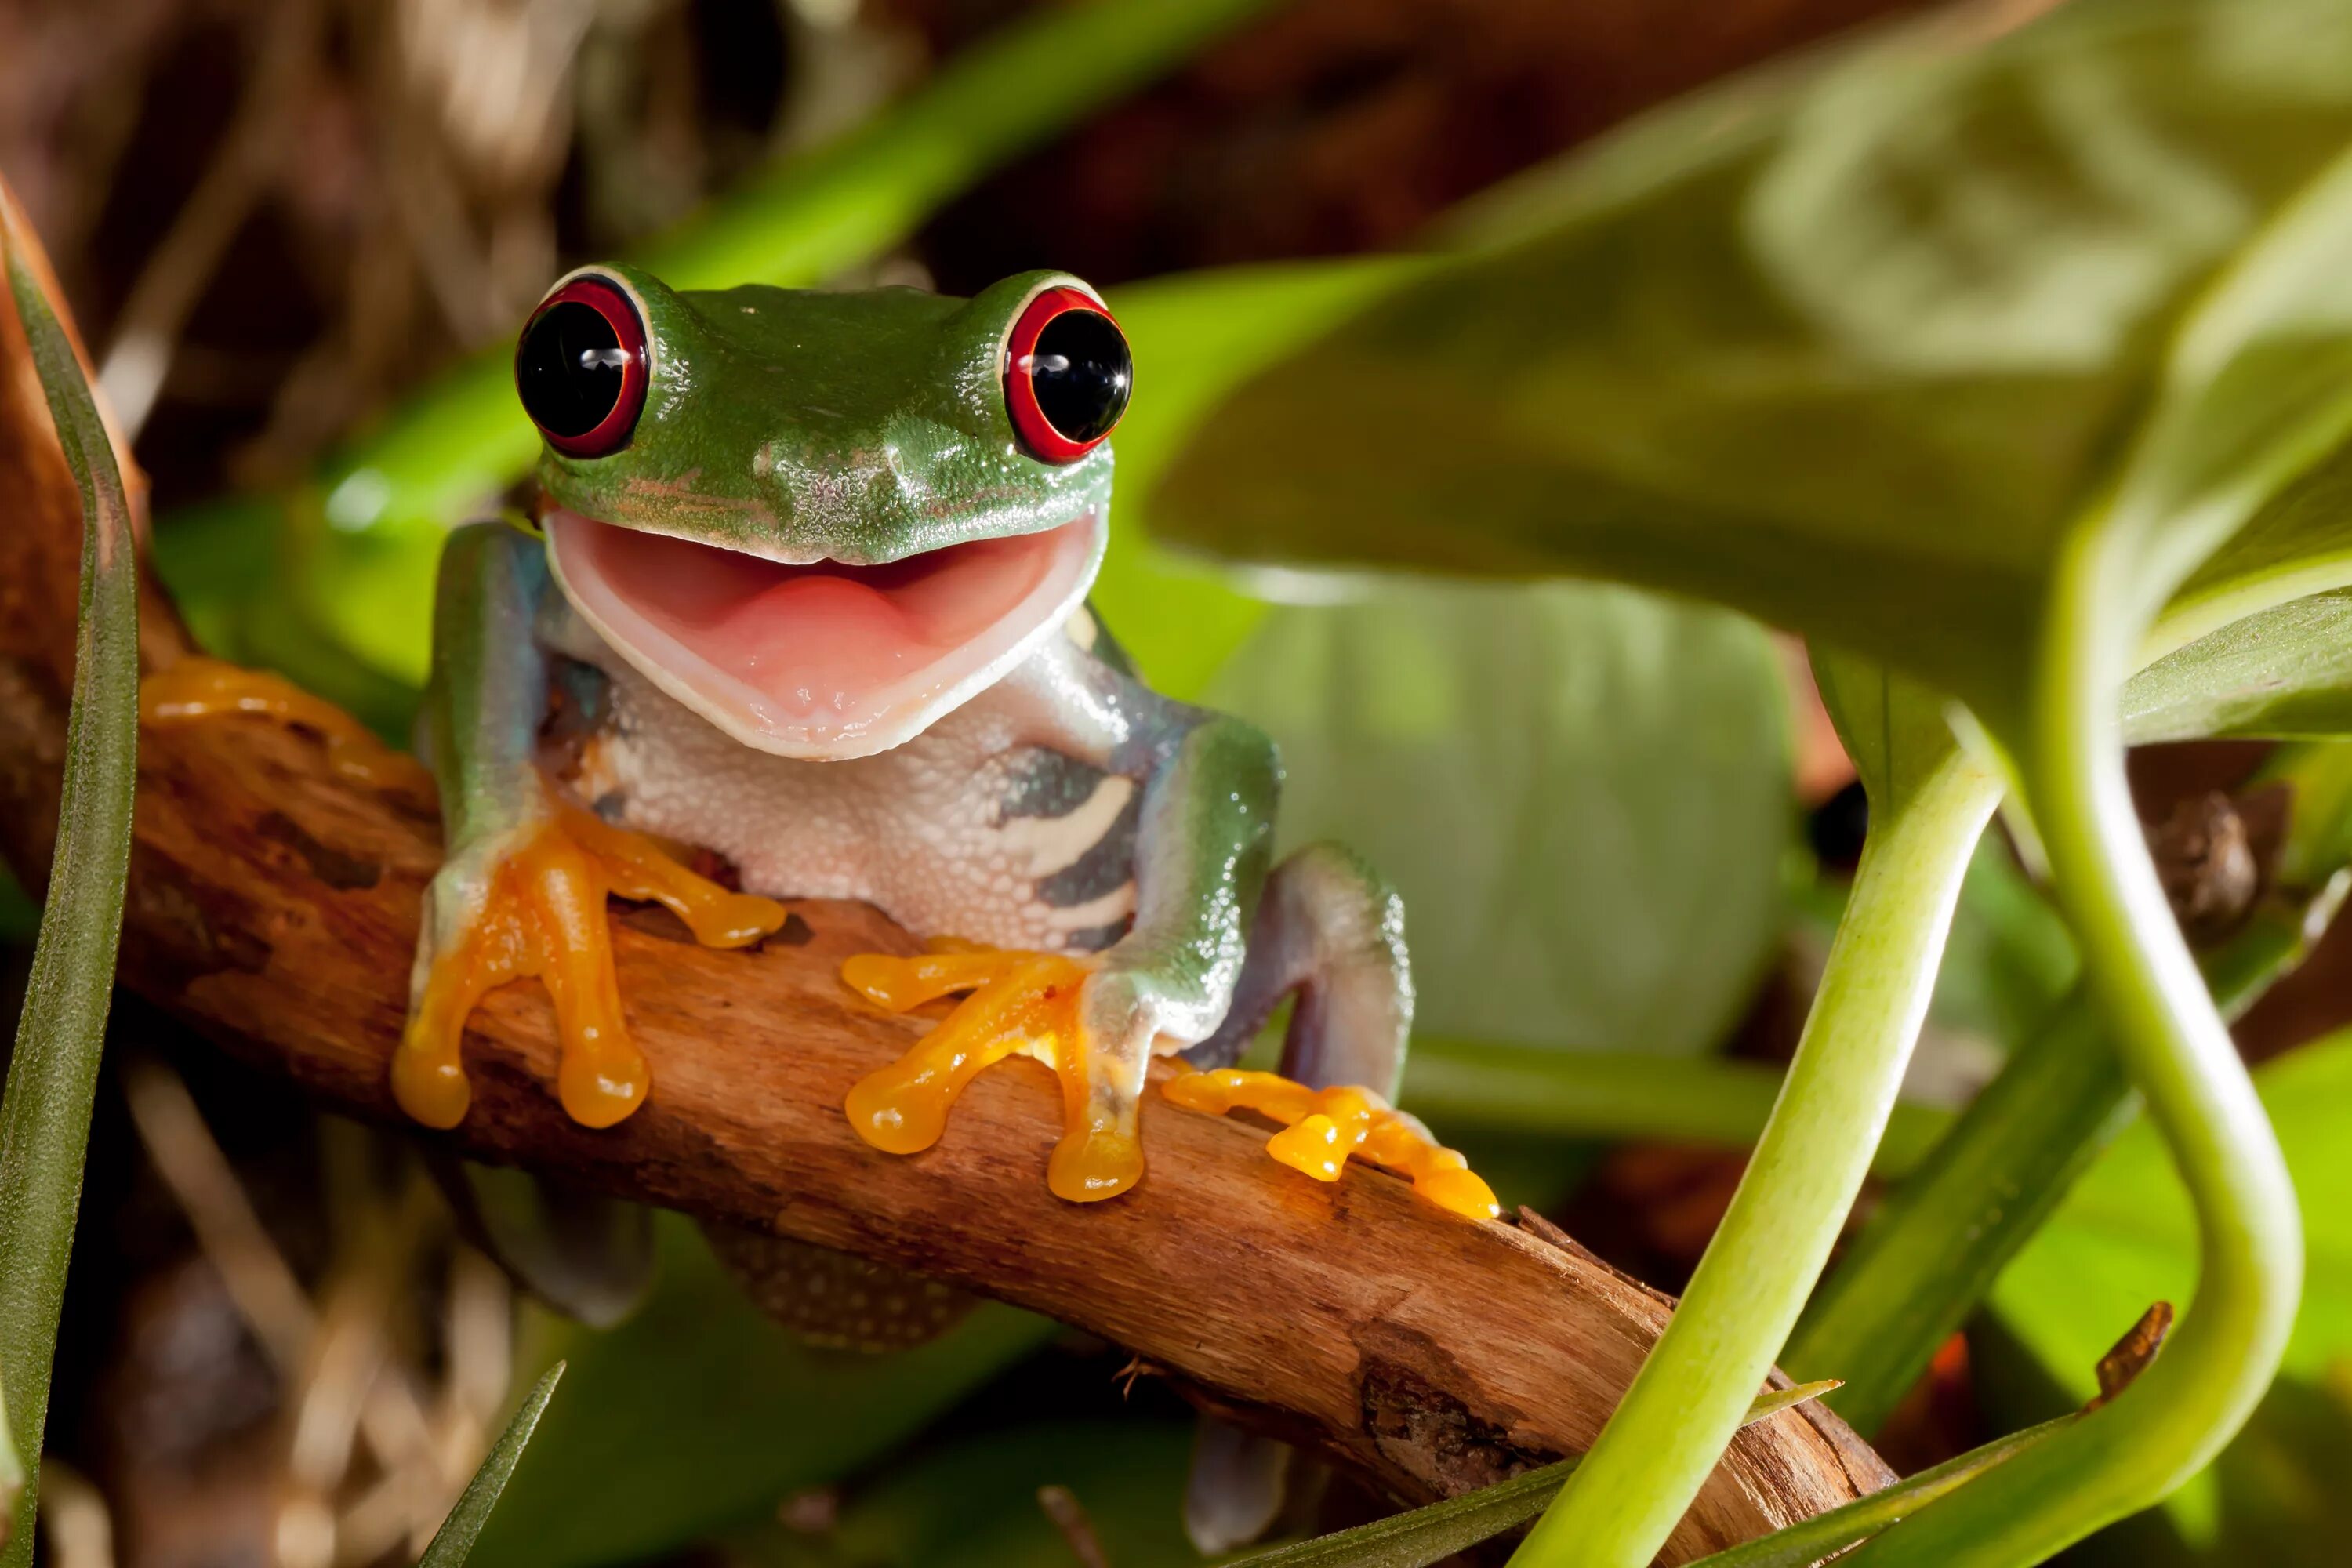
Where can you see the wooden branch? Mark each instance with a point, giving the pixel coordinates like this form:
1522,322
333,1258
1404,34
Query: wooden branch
274,907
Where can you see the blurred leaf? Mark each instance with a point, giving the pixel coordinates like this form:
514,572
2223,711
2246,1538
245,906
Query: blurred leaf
1582,792
974,1504
2281,672
2126,1236
698,1413
1847,344
1470,1087
2009,958
53,1072
454,1542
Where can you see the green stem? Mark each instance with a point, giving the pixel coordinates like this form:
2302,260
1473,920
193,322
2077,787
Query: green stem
1935,1249
1685,1403
2130,1454
1472,1085
53,1074
1932,1251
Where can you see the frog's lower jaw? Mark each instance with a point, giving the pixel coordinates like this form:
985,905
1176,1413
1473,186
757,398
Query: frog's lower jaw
822,660
539,908
1022,1003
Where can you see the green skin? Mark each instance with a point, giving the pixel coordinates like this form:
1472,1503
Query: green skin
865,427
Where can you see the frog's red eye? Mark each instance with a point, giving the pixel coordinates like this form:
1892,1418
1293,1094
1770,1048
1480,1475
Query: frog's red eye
581,368
1067,373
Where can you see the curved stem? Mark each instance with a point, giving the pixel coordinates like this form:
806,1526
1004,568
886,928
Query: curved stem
1685,1404
2130,1454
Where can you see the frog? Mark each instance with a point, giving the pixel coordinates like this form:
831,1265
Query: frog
808,571
800,610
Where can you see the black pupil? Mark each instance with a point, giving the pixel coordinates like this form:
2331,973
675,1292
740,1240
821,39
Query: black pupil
1081,372
570,369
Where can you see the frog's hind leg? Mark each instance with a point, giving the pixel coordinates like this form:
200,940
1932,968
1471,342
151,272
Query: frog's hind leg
1330,931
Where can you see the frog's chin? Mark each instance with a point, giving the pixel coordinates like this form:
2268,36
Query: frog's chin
822,661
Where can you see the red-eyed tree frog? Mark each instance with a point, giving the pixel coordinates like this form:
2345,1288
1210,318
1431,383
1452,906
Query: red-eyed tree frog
806,586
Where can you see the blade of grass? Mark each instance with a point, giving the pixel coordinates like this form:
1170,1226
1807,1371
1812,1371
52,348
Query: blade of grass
53,1075
455,1540
1434,1534
1826,1534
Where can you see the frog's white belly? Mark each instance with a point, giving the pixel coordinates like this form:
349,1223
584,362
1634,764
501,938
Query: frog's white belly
963,831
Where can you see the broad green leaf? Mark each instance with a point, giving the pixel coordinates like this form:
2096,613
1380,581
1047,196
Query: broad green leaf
1582,793
2281,672
1851,345
53,1073
454,1542
2127,1237
698,1413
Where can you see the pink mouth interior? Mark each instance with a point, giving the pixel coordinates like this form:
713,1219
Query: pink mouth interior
808,657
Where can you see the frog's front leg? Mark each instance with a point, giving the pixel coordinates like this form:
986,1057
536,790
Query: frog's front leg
521,889
1201,842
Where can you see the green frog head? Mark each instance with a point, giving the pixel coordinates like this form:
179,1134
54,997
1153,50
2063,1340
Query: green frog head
822,519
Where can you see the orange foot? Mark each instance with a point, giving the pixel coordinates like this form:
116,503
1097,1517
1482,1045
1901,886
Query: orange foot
198,687
1322,1127
540,911
1019,1003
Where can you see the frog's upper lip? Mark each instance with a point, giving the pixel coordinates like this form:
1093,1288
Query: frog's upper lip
824,660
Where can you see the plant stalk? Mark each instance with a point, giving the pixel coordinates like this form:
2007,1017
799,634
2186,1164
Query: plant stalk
1685,1404
2130,1454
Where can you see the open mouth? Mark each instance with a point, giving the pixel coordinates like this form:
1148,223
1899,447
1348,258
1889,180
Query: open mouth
822,660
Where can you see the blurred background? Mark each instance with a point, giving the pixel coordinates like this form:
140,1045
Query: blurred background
1622,825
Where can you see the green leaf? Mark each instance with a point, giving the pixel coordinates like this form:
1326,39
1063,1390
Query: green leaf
454,1542
2282,672
709,1412
1582,793
1846,345
2127,1237
53,1074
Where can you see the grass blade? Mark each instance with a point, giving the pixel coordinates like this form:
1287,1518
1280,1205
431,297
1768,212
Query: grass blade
1809,1540
53,1076
455,1540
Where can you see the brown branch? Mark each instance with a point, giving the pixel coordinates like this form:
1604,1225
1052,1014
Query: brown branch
274,907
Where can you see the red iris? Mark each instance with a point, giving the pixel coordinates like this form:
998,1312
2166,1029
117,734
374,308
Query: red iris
1067,374
581,367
